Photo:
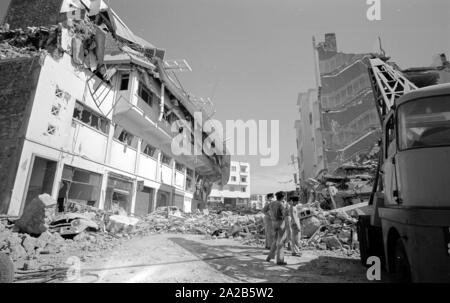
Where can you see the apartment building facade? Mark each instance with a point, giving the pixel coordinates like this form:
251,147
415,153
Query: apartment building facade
93,123
350,124
309,137
237,191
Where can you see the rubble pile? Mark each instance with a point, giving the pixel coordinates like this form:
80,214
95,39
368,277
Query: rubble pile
29,42
329,230
40,237
220,224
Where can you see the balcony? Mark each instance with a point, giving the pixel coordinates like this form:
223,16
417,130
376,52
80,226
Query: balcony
88,142
123,156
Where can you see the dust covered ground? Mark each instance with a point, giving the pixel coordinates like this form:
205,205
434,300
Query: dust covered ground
174,258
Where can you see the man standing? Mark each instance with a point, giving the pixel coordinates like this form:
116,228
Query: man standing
295,226
278,213
268,229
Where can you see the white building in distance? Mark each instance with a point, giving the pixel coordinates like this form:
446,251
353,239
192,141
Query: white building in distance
237,191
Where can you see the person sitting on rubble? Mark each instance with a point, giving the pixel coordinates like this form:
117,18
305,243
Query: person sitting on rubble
268,221
278,213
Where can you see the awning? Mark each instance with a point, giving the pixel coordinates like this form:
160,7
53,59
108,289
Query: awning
122,30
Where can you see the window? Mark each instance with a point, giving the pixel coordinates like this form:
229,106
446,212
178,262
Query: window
233,179
233,168
124,82
310,118
179,167
125,137
84,114
390,136
243,179
189,178
80,186
165,159
244,189
231,188
56,109
148,150
243,169
145,94
424,123
51,130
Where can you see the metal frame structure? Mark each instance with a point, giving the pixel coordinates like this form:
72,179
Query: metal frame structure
388,84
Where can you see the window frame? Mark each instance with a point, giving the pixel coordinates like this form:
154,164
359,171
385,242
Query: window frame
93,114
151,95
124,77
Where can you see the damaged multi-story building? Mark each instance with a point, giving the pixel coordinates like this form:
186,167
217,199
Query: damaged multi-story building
88,112
309,136
349,120
338,120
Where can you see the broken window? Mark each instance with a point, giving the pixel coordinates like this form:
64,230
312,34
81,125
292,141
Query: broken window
124,82
148,150
118,194
165,159
179,167
80,186
145,94
86,115
125,137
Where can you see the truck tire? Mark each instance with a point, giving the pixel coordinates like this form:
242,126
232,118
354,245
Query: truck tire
402,270
362,231
6,269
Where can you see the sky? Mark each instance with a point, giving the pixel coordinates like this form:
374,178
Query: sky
253,57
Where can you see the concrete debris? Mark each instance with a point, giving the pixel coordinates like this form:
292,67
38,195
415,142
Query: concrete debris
216,224
32,251
310,226
121,224
6,269
32,220
330,230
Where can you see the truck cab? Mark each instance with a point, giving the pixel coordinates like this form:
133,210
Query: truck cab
410,218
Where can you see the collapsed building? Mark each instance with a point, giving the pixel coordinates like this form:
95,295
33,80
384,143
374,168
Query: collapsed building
89,111
338,120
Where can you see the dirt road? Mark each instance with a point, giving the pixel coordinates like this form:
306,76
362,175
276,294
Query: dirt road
191,258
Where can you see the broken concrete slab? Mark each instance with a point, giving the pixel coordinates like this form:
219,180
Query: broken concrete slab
32,220
309,226
121,224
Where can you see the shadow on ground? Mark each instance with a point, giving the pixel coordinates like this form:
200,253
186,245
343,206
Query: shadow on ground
247,264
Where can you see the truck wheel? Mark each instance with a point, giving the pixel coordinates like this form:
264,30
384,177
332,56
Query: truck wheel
402,269
362,230
6,269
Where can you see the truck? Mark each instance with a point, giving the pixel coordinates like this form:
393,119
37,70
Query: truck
408,223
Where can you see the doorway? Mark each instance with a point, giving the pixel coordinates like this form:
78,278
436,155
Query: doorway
41,179
144,201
